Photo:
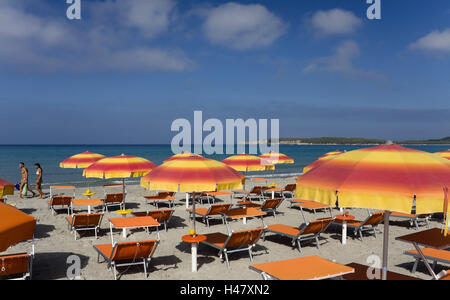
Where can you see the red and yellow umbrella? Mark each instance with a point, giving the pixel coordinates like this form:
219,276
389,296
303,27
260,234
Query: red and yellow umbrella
15,226
6,188
320,160
387,177
81,161
274,158
181,155
192,174
122,166
247,163
444,154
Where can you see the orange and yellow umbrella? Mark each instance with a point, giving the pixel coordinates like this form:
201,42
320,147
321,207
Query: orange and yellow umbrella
274,158
6,188
181,155
81,161
15,226
122,166
192,174
385,177
247,163
320,160
444,154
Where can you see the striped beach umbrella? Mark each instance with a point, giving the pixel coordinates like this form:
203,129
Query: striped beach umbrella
320,160
122,166
386,177
6,188
181,155
192,174
274,158
81,161
247,163
15,226
444,154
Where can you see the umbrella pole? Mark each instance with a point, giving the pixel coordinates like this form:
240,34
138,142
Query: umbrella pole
123,191
193,210
386,244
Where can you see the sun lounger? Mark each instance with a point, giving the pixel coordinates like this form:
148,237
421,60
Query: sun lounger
306,232
368,225
413,218
302,268
215,211
361,273
289,190
161,197
163,216
83,222
114,200
62,201
257,192
236,241
444,275
435,255
269,205
14,265
127,254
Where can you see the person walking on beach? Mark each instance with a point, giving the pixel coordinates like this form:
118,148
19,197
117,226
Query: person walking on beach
39,180
24,180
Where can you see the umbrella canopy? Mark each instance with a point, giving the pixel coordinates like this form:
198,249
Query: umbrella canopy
181,155
274,158
246,163
6,188
122,166
320,160
15,226
81,161
386,177
192,174
444,154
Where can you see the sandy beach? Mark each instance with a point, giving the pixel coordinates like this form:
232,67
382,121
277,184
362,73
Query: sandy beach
172,260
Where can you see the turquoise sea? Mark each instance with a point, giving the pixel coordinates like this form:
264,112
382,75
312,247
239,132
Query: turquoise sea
49,157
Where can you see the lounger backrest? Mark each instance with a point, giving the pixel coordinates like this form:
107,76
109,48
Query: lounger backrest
133,250
165,194
290,187
114,198
14,264
257,190
161,215
86,219
316,226
244,237
217,209
61,200
272,203
375,219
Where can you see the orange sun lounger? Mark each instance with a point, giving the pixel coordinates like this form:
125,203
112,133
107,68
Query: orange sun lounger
412,218
435,255
16,264
306,232
289,190
302,268
127,254
62,201
115,199
236,241
214,211
80,222
269,205
368,225
161,216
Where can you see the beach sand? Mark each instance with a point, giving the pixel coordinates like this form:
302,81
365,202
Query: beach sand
172,260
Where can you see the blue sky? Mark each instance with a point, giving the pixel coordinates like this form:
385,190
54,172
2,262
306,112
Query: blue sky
129,68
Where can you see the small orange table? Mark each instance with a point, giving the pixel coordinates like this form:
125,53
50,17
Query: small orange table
344,218
86,202
131,223
194,240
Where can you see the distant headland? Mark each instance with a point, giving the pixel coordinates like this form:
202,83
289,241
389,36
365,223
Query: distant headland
353,141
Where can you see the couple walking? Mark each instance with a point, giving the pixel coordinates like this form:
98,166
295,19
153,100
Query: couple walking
24,181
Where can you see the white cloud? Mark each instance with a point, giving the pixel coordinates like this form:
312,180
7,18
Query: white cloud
242,27
335,22
32,42
341,61
435,41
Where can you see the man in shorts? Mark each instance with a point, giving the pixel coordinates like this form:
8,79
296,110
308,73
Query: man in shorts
24,180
